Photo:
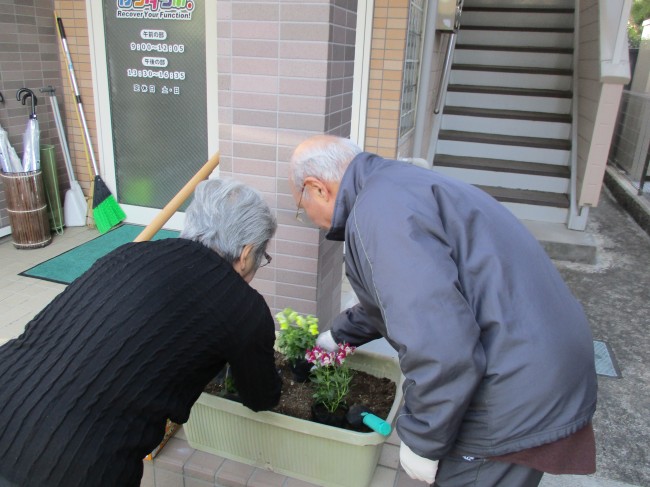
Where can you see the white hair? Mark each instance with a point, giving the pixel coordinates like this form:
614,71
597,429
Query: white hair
325,157
227,215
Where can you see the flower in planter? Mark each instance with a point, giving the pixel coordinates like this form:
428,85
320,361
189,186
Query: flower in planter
330,375
297,334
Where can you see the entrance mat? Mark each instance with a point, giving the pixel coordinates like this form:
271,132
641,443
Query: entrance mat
66,267
605,361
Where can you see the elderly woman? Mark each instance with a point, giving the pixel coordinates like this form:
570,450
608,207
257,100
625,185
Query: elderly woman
86,390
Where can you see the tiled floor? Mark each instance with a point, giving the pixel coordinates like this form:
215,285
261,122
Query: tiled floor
177,465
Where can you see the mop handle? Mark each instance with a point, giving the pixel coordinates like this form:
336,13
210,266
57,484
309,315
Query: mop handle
75,87
175,203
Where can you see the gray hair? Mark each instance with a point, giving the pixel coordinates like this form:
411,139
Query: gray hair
227,215
325,157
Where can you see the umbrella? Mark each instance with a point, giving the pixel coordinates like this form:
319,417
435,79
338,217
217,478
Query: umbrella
31,137
9,160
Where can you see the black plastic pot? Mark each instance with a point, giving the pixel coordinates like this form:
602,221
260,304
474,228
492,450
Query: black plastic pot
300,370
320,414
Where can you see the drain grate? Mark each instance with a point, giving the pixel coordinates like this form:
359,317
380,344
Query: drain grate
605,361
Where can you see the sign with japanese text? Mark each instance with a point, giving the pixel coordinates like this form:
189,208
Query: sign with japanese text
157,81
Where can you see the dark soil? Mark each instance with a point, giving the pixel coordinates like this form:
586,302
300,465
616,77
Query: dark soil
375,393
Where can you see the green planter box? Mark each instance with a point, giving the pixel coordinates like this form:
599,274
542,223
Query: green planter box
313,452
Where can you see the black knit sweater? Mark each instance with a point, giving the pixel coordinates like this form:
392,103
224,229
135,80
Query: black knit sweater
86,390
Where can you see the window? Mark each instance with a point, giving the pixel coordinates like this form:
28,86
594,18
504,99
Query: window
412,58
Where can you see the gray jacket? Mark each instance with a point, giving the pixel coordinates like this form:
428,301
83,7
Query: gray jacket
497,353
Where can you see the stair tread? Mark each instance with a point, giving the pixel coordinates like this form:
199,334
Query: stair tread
556,30
501,165
511,69
526,49
528,10
501,90
515,140
507,114
526,196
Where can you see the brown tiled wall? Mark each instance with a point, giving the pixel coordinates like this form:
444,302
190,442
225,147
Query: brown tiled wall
28,59
386,69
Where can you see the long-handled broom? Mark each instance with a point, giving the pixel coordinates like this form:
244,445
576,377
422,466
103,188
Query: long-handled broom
106,211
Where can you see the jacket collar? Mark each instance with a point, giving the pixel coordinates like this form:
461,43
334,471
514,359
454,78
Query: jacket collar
361,168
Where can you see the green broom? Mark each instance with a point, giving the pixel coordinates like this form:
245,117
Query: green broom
106,211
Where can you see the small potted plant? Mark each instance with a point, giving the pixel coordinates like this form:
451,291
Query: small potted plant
297,334
331,378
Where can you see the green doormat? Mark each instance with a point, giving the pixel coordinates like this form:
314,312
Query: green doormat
66,267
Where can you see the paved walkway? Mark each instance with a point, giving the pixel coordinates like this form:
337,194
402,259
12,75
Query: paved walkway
615,293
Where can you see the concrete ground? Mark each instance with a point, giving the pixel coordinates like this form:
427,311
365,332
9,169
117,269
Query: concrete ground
615,292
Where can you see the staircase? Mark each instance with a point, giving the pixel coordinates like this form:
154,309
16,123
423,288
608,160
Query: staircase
506,122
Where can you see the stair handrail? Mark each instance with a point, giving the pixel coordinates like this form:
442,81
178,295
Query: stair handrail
446,67
444,81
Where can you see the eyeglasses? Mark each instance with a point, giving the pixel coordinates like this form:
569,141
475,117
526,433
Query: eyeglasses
267,260
300,212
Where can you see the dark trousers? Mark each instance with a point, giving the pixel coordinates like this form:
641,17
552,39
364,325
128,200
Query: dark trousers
5,483
458,471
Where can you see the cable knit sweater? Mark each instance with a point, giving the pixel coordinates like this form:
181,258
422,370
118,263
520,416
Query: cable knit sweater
86,390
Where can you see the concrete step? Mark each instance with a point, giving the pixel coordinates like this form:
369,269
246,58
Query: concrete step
517,17
505,174
520,3
511,77
501,165
527,197
507,180
500,37
495,97
500,139
503,56
463,148
511,122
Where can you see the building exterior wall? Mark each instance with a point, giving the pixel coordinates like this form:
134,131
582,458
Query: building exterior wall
285,73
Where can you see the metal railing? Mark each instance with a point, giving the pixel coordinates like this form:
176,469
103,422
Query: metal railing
446,68
630,148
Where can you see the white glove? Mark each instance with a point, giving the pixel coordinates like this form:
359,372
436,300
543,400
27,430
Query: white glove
326,342
417,467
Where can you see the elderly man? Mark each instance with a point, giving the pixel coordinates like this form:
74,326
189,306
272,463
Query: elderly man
497,353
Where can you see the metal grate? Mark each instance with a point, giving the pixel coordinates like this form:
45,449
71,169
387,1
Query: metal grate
412,59
630,149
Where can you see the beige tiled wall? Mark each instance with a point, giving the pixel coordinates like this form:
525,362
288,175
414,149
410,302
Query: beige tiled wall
285,72
386,68
73,16
28,59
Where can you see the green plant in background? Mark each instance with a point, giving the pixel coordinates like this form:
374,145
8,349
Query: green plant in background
331,376
297,334
638,14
